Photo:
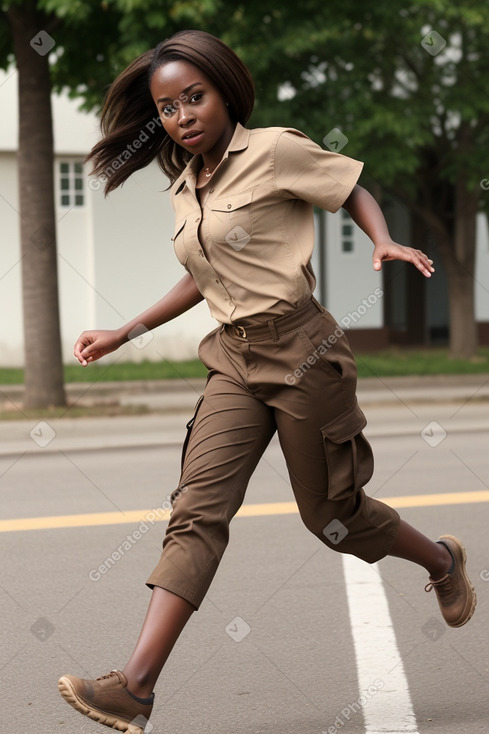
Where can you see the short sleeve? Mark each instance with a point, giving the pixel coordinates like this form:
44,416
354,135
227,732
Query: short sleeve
303,170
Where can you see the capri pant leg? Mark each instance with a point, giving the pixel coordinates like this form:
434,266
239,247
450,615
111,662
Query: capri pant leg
327,475
231,430
329,459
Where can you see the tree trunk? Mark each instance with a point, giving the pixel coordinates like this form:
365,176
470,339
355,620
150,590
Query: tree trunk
463,329
452,221
43,360
461,273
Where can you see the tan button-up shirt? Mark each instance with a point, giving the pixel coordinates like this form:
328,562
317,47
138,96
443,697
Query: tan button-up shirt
248,241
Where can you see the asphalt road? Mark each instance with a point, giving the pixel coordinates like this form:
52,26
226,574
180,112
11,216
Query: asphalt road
273,648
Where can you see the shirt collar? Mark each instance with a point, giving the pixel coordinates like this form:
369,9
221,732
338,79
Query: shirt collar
238,142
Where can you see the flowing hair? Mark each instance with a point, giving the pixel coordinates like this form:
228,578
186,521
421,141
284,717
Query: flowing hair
133,134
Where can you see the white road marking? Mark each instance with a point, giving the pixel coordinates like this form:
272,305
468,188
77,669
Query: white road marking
384,690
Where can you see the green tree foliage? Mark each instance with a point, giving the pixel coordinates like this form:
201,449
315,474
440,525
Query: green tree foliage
407,87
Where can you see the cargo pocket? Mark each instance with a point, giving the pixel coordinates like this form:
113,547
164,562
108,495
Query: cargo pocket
189,430
349,456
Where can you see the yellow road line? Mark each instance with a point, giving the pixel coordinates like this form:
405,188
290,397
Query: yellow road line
261,510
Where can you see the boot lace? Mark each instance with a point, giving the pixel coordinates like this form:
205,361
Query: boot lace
444,588
109,675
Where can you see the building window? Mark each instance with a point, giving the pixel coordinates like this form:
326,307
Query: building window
346,232
71,184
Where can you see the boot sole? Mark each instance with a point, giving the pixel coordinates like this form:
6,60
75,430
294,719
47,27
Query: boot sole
70,696
468,615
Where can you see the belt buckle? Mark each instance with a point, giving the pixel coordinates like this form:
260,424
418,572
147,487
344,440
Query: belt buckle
240,331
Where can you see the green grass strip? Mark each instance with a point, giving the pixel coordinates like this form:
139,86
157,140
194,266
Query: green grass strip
392,362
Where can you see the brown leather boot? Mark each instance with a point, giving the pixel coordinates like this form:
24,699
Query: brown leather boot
108,701
455,593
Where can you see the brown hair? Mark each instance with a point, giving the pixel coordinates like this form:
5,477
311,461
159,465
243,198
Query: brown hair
133,134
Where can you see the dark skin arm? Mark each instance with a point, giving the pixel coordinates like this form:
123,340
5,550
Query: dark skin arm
367,214
91,345
363,209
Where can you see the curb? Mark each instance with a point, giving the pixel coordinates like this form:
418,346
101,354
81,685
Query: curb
171,404
424,385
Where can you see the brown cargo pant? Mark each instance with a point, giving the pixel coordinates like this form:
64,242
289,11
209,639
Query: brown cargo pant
294,374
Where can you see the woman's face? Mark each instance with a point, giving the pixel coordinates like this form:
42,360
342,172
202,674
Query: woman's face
192,110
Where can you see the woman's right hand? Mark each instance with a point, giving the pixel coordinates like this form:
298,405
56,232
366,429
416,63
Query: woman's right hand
92,345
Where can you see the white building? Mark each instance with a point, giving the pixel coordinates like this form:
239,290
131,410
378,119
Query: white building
116,257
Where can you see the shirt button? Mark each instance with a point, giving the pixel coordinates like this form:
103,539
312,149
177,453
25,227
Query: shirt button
230,206
211,191
198,219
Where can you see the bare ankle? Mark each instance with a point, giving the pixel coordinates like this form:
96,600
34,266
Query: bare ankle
443,564
138,685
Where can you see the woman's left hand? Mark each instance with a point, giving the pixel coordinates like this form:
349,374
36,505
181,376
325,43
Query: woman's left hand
390,250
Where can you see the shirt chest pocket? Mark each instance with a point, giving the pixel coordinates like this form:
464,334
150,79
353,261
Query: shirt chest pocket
230,220
178,241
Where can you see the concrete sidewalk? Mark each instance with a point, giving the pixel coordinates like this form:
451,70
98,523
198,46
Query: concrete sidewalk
171,404
180,395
